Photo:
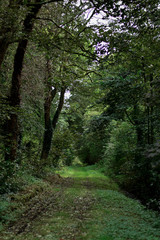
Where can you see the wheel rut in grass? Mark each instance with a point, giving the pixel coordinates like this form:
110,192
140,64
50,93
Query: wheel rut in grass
37,207
71,204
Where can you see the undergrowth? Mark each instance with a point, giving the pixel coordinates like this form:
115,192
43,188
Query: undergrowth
12,204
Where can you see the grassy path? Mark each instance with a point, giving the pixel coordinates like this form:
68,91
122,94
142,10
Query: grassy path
83,204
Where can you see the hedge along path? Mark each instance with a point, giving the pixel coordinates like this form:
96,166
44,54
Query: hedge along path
84,204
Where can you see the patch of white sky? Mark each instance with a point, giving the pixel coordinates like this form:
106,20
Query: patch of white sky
95,19
67,95
100,19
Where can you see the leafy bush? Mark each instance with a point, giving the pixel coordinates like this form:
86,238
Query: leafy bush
6,214
134,167
120,149
91,148
62,150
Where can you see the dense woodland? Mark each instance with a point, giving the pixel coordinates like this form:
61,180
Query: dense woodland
81,80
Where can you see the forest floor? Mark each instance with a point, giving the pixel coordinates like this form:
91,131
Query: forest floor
79,203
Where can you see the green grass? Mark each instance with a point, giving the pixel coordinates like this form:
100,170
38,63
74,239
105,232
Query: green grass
113,216
82,172
92,174
121,218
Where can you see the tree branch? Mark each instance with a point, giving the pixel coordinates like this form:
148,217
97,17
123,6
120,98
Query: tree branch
39,2
129,118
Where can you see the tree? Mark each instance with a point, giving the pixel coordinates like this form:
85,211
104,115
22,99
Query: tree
130,82
65,56
11,127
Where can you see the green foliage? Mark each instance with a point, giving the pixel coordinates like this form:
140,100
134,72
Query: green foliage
8,176
130,165
62,151
119,152
129,82
91,147
23,188
5,211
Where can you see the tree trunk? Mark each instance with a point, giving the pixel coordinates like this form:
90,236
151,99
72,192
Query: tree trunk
148,125
151,117
50,126
140,139
152,127
47,138
12,126
138,126
150,111
59,108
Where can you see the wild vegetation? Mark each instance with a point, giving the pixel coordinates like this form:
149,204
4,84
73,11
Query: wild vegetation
80,83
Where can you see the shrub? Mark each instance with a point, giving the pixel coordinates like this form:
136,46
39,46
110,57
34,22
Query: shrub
119,151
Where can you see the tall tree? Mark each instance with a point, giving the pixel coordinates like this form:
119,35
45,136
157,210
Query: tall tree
64,59
11,128
12,125
50,124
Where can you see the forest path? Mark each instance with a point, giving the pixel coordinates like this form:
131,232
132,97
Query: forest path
84,205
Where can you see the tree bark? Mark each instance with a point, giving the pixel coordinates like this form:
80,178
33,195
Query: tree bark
47,138
148,125
12,126
59,108
138,127
151,111
51,125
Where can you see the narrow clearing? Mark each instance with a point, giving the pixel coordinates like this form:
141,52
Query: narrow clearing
82,203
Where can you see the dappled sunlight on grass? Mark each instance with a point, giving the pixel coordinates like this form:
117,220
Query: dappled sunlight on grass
89,172
89,177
